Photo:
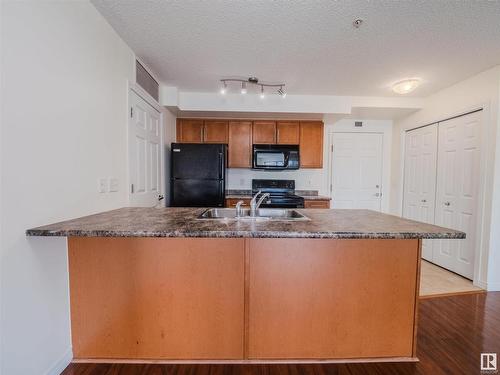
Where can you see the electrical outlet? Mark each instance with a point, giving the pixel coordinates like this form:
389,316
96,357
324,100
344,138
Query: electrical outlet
113,185
102,185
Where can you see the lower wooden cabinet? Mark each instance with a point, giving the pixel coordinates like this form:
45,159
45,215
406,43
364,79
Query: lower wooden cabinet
331,298
231,202
136,298
164,298
316,203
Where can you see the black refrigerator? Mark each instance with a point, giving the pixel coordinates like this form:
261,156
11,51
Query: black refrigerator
198,175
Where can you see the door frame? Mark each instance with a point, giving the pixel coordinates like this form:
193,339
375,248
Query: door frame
382,127
482,240
139,91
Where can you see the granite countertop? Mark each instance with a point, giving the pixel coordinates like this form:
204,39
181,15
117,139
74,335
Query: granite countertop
184,222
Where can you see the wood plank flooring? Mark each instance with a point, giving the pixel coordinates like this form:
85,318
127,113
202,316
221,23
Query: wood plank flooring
453,331
435,280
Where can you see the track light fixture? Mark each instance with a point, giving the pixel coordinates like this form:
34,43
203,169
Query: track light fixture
252,81
223,88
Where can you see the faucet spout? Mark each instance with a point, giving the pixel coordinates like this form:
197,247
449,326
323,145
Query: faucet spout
255,204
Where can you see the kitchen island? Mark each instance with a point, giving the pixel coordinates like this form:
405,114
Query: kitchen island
160,284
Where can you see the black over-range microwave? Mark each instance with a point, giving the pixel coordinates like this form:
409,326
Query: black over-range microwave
275,157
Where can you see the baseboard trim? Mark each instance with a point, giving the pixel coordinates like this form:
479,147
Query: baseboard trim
58,366
490,287
427,296
245,361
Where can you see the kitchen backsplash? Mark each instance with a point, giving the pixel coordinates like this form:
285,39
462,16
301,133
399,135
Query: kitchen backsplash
305,179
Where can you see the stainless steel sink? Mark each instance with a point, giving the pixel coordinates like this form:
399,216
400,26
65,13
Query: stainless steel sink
278,214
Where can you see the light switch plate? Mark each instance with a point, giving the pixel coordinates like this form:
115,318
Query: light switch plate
102,185
113,185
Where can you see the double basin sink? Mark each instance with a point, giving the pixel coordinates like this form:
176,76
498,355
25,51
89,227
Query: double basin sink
278,214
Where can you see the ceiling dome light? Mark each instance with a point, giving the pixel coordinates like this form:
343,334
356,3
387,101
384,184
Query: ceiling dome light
223,88
243,87
262,94
406,86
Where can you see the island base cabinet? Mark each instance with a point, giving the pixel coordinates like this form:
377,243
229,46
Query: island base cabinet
243,299
332,299
157,298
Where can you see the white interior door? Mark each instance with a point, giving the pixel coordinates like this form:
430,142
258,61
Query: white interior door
420,179
357,170
145,164
457,191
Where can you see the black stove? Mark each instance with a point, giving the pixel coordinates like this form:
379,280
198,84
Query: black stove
282,193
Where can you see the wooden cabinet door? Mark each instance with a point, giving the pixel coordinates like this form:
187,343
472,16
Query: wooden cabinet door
264,132
331,299
316,204
311,144
189,131
215,131
231,202
287,132
240,144
163,298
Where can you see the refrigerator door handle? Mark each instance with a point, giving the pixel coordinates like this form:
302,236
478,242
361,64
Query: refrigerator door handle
221,193
221,165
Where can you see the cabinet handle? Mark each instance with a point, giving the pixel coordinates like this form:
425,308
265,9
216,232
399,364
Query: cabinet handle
202,129
447,203
423,200
278,136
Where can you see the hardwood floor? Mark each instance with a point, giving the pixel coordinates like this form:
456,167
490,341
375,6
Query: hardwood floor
453,331
435,280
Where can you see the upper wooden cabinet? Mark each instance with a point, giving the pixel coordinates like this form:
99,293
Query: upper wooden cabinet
287,132
215,131
240,144
241,134
311,144
189,131
264,132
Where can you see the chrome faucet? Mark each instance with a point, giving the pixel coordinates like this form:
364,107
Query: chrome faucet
254,204
238,208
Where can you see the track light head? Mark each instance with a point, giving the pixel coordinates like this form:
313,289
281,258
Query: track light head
243,87
262,94
223,88
282,92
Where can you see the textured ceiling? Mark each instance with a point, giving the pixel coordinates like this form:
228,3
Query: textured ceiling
310,45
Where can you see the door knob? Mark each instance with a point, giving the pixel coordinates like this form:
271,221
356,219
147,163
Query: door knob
377,194
424,200
447,203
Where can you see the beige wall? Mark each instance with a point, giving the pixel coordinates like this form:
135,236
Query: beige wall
64,125
480,91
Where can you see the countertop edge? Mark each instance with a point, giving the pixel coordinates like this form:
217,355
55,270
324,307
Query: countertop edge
244,234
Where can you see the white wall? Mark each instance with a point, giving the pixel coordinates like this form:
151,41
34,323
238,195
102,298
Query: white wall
319,179
480,91
64,122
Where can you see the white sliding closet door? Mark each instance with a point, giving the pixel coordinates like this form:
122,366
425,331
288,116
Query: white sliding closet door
457,191
420,179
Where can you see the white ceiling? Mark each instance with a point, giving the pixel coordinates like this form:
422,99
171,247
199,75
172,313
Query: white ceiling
310,45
